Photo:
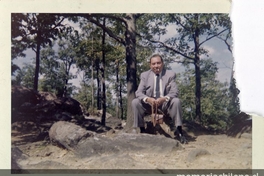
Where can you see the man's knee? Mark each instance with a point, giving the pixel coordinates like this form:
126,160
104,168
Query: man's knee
175,102
135,103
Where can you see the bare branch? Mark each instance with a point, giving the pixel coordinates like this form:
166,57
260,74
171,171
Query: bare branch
183,62
58,24
171,15
107,30
33,48
212,37
229,47
225,66
171,48
188,19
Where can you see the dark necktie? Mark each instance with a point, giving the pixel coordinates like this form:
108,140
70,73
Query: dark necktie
157,86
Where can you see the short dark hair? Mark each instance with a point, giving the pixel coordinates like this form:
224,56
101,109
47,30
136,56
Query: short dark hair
156,55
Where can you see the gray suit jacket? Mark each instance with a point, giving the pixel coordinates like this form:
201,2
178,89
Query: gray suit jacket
146,85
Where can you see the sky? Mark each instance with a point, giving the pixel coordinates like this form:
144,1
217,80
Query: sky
217,51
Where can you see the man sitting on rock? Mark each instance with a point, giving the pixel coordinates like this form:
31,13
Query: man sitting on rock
157,87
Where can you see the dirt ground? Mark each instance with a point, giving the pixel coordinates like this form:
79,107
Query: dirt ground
220,152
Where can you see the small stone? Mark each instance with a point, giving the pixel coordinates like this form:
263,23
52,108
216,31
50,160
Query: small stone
246,136
196,153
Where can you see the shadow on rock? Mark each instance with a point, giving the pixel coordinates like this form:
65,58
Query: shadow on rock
242,123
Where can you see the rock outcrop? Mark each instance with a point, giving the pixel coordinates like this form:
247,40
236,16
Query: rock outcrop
242,123
29,105
86,143
67,134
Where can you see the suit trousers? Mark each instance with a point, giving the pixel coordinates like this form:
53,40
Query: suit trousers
171,108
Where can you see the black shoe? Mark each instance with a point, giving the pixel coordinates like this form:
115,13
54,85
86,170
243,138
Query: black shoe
183,140
142,130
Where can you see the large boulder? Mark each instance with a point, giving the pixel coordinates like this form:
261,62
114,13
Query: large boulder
22,95
47,96
70,105
85,143
59,108
29,105
67,134
126,143
242,123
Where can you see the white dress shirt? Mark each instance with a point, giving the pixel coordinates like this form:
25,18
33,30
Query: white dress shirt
154,92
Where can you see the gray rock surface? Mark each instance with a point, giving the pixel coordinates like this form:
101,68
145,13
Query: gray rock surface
125,142
17,155
86,143
135,153
67,134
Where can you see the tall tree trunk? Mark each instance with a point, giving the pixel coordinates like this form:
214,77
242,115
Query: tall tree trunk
65,88
130,43
117,89
198,117
232,72
92,84
130,38
99,92
120,99
198,91
86,93
37,61
117,107
103,78
121,102
67,72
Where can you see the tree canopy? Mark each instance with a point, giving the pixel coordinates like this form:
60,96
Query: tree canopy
111,50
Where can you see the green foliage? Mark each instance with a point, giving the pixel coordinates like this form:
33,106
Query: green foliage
34,30
234,105
214,99
27,28
143,56
186,44
110,102
17,32
84,96
84,50
14,68
24,77
56,65
49,67
89,60
186,86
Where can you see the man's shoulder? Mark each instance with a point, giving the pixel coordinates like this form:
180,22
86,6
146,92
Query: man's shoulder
146,73
170,73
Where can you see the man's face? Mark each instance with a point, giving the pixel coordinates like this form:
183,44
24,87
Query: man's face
156,64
